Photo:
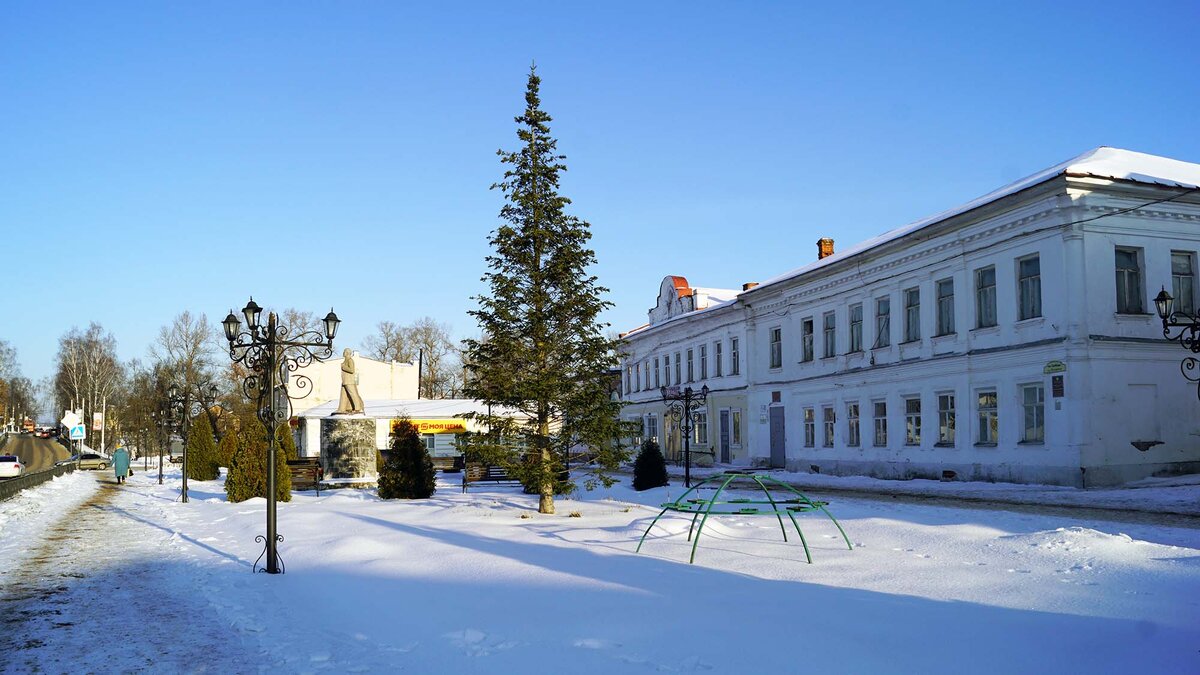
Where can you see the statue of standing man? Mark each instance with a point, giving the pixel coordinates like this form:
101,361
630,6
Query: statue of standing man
350,402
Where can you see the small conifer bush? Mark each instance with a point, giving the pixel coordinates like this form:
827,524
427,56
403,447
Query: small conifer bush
649,469
202,451
248,472
408,471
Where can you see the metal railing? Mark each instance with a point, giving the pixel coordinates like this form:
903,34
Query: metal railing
11,486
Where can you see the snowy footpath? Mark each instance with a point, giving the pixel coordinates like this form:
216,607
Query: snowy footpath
105,578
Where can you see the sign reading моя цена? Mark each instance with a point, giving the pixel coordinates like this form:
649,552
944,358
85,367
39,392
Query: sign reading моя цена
442,426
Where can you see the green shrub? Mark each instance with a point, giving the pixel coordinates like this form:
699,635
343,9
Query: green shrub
649,469
201,451
248,472
226,449
408,471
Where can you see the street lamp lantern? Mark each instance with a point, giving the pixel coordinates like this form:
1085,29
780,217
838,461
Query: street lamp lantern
232,326
331,324
272,355
1164,303
252,312
1188,335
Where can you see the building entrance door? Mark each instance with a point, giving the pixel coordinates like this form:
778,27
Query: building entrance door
778,455
724,436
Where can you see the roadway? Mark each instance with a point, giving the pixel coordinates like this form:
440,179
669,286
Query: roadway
37,454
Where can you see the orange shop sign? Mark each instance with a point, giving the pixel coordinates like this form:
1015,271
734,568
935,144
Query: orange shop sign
442,426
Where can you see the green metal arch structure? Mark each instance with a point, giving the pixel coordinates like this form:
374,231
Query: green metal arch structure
703,508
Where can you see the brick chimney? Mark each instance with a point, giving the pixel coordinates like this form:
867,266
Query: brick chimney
748,285
824,247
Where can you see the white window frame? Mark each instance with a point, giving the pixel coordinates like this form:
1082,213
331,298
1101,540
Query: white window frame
1183,283
879,424
912,314
775,335
735,366
987,418
945,306
1134,303
912,420
1029,289
828,421
883,322
856,321
985,298
810,427
829,334
1033,433
806,339
853,428
946,418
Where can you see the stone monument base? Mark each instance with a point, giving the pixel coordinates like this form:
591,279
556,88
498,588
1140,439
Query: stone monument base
348,450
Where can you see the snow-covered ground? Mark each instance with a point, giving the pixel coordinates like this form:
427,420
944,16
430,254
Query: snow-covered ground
482,583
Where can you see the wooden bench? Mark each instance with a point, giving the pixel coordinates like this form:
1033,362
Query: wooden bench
480,473
306,474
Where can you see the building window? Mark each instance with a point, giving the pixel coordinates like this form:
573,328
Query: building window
735,422
985,297
810,428
883,322
1183,282
646,373
806,340
667,370
704,362
678,367
830,335
853,438
717,365
1033,398
702,428
856,328
1129,282
945,307
430,441
1029,287
912,421
776,347
657,373
636,374
880,424
651,426
946,419
735,366
628,378
912,315
827,421
989,423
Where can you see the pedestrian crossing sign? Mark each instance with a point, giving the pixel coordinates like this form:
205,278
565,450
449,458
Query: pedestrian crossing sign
78,432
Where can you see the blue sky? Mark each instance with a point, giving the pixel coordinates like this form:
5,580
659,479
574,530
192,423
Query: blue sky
156,157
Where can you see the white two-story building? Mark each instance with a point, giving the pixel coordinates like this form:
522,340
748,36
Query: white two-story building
1012,338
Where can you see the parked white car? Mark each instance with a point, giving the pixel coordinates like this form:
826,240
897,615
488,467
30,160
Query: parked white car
11,466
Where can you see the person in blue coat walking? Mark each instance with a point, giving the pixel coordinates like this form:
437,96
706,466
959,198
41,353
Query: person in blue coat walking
121,464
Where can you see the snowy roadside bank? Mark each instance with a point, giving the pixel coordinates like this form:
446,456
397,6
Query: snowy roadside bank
482,583
1178,495
25,516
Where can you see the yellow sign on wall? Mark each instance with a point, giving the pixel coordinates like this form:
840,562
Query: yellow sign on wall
442,426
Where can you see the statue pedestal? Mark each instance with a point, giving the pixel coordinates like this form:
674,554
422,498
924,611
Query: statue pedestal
348,450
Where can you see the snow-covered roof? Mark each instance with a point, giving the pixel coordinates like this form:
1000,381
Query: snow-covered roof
1102,162
717,294
415,408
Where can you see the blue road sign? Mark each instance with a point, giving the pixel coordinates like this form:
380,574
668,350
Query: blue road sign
78,432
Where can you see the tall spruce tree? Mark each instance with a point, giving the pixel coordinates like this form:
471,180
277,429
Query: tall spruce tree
543,350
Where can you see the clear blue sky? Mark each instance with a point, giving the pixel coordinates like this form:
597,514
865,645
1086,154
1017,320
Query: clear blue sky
156,157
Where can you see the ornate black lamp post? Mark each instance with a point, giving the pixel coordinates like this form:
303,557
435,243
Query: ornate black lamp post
271,353
181,407
1187,335
681,406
